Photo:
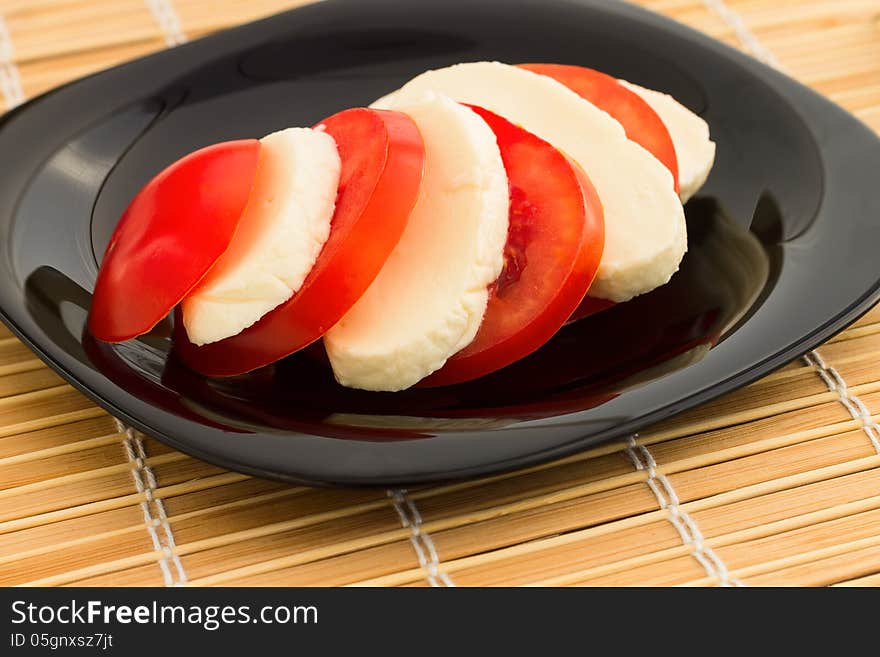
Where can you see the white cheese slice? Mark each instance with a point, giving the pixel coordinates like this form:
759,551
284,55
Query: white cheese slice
278,240
694,150
645,233
429,299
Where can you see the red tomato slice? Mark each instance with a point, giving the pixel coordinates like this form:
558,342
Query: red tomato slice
168,238
382,157
590,306
640,122
554,245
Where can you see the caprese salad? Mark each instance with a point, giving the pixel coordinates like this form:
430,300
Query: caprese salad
443,233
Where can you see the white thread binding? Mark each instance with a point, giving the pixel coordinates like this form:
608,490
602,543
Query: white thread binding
10,79
149,520
851,402
684,524
145,483
162,520
421,541
748,39
169,22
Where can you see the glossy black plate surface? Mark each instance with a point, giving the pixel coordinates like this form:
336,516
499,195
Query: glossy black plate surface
782,238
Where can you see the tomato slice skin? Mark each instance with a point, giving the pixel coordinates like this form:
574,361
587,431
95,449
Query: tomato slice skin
382,157
168,238
640,122
554,245
590,306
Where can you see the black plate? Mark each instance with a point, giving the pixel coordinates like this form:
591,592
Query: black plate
782,252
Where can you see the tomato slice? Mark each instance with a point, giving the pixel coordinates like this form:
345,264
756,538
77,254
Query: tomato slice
640,122
554,245
168,238
590,306
382,157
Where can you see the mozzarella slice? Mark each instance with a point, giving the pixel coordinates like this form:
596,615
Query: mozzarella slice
645,234
429,299
278,239
694,149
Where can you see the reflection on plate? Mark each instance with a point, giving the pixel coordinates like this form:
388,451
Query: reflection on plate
587,363
726,270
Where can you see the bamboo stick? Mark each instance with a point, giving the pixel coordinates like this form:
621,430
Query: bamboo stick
60,419
21,367
77,477
714,501
435,526
208,543
37,395
69,448
762,531
677,466
572,492
868,580
40,38
117,502
142,527
793,560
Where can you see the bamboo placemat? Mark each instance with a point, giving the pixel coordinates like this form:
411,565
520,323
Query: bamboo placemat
775,484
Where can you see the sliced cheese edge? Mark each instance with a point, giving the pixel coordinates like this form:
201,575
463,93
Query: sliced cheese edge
278,239
694,149
428,300
645,233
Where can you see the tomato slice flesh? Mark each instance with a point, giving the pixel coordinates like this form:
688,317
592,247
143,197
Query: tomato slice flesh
639,120
168,238
554,245
382,156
